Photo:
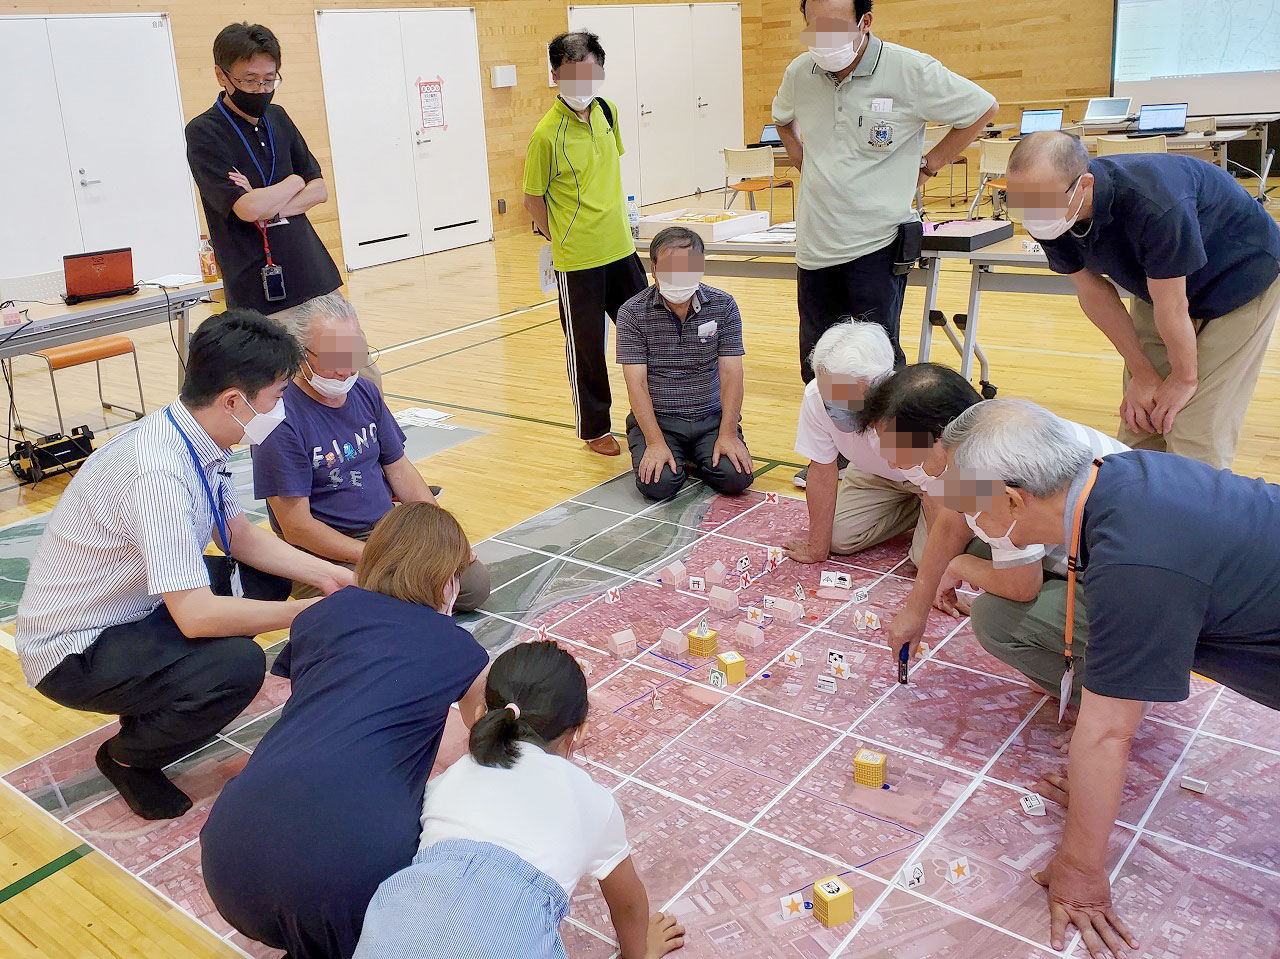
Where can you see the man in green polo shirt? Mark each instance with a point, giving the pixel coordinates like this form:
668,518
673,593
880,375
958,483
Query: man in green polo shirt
573,191
852,113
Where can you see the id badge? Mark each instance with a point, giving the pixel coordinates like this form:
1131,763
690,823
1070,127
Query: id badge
237,587
707,330
273,282
1064,692
277,220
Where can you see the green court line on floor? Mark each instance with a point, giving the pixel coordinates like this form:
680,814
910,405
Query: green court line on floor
542,422
44,872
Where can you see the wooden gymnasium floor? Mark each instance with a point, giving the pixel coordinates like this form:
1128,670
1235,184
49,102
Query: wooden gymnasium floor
470,332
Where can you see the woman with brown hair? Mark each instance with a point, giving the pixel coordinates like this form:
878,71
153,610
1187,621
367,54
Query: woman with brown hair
328,805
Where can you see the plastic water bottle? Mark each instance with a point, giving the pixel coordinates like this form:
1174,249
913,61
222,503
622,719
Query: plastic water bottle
633,217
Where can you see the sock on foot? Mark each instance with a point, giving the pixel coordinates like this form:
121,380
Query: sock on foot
147,792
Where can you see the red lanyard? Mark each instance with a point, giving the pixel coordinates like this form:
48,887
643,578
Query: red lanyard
1073,558
265,245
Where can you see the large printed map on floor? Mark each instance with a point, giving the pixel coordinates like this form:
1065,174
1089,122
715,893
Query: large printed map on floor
739,798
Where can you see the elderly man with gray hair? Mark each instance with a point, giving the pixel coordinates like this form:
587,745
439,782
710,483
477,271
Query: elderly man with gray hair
337,463
680,346
873,501
1181,570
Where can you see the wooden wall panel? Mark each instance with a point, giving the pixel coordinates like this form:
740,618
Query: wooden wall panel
1016,49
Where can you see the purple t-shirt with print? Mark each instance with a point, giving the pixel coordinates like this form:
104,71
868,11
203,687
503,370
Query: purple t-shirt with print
333,456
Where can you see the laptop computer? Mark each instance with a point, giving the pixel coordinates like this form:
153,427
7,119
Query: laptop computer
1037,121
95,276
769,137
1161,119
1108,110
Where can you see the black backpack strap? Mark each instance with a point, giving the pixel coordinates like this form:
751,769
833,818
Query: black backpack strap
606,110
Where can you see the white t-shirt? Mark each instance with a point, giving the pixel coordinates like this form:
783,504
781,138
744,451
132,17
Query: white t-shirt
1055,558
818,439
544,809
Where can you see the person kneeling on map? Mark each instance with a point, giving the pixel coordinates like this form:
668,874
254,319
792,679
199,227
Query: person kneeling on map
873,501
1181,570
1019,616
337,463
680,346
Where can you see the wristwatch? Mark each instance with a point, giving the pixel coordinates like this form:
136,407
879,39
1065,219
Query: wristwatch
924,168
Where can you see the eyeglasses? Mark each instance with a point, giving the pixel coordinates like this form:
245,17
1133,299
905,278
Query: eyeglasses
371,361
257,85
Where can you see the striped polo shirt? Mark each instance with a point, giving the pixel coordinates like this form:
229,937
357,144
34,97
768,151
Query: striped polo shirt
132,524
683,359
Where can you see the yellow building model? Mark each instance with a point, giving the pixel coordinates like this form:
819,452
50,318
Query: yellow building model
868,768
832,901
733,666
702,644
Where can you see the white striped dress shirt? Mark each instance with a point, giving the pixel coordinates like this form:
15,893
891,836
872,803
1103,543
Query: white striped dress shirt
132,524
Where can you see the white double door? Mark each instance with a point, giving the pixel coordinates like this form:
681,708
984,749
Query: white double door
94,157
406,127
675,72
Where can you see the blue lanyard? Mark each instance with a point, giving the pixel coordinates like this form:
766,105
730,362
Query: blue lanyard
218,511
253,156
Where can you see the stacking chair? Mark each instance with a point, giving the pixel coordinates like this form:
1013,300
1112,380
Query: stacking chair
993,161
1110,146
749,170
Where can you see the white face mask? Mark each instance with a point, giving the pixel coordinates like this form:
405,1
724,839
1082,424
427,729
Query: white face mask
451,591
1046,229
260,425
578,93
680,292
995,542
916,475
333,389
835,59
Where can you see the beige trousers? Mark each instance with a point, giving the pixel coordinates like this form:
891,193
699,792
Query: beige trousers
1229,351
870,510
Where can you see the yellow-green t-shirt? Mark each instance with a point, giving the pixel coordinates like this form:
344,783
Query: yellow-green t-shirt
575,166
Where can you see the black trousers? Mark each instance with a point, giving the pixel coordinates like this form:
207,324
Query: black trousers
586,297
688,440
172,693
865,288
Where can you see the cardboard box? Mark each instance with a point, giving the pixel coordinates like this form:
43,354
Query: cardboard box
732,223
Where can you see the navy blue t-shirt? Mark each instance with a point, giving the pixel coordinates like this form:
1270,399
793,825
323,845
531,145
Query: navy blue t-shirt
333,456
329,804
1162,216
1182,572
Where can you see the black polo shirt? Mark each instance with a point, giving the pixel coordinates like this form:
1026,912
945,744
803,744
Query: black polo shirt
213,149
1181,571
1162,216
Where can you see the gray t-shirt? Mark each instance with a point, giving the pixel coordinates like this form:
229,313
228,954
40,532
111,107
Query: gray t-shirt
863,140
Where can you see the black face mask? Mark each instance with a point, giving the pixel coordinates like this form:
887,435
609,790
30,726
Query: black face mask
252,104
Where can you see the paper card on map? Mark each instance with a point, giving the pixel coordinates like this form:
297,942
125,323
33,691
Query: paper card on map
799,593
958,870
657,703
775,557
1032,805
771,499
872,620
826,684
542,632
612,595
697,584
791,907
744,563
755,616
841,670
861,594
703,628
793,658
744,580
827,578
913,876
834,656
718,678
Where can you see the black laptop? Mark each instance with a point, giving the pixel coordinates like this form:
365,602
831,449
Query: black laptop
768,137
1161,119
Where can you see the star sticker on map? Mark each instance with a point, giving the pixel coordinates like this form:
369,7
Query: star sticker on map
840,670
793,658
958,870
791,907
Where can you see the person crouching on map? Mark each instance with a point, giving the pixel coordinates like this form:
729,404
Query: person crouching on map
871,501
526,855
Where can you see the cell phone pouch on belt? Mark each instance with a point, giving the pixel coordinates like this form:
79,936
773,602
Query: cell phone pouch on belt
907,250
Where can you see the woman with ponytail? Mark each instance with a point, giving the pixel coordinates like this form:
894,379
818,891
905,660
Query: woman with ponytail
510,829
328,805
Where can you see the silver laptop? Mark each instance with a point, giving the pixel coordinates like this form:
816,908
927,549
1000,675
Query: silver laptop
1108,110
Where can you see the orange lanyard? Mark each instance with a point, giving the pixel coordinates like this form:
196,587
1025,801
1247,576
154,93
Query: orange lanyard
1074,556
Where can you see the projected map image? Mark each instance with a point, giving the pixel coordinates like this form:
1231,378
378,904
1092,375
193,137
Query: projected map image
1176,38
